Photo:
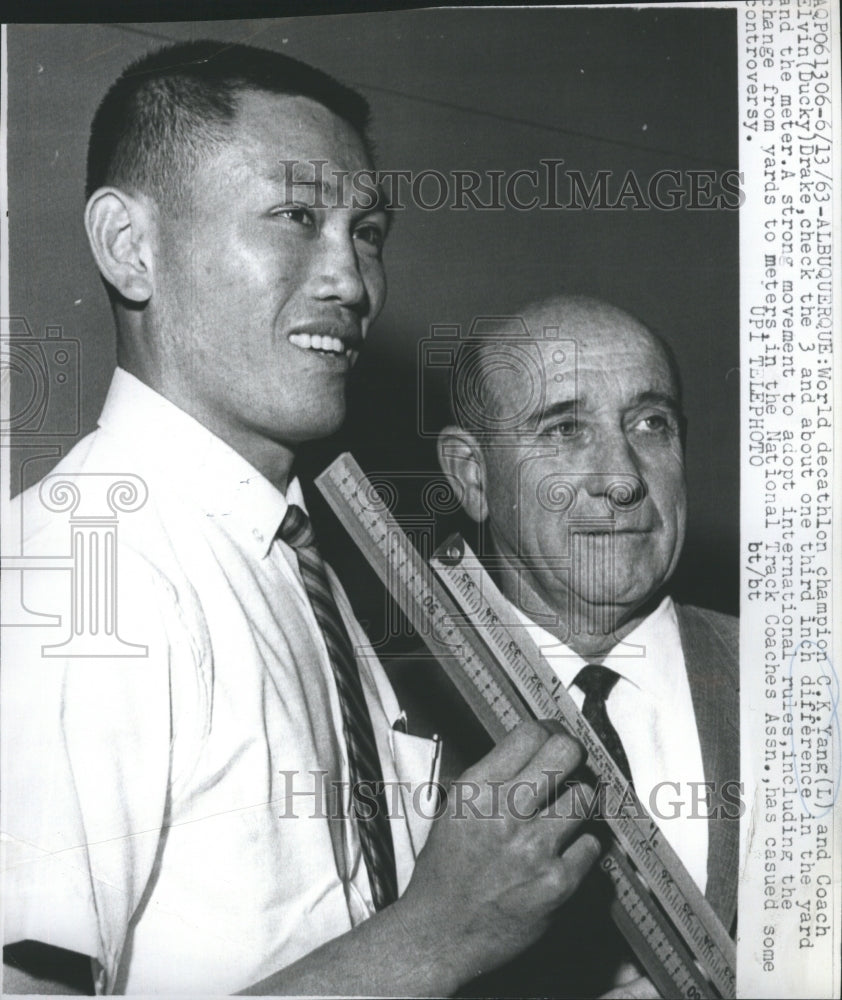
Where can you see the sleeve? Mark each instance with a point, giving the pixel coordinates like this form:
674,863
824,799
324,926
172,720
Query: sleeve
87,761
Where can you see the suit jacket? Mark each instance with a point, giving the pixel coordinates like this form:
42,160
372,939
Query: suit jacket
579,953
711,653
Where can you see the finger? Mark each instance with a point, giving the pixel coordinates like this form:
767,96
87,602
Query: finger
553,762
627,973
639,989
513,754
582,854
562,818
567,871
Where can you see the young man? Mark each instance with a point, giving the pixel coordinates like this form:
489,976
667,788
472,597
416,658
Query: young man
183,808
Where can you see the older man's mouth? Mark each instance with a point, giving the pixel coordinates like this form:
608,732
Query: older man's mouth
606,536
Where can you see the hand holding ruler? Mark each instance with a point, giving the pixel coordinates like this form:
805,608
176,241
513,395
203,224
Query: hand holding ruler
460,614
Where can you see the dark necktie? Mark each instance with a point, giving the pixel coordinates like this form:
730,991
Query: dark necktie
597,681
363,762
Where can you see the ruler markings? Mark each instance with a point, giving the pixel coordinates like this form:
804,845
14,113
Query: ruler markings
504,684
669,881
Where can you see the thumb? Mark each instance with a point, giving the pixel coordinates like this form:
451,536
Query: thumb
637,989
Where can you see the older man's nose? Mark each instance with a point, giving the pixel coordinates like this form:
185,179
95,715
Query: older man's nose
615,475
625,493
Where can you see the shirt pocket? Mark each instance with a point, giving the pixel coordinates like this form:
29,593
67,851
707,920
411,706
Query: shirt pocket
417,764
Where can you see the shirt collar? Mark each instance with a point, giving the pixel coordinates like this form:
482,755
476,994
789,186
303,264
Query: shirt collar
182,453
646,657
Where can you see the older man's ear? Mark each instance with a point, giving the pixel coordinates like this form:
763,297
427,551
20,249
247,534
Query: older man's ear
463,462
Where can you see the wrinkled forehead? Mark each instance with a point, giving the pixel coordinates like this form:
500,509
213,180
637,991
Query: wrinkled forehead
588,357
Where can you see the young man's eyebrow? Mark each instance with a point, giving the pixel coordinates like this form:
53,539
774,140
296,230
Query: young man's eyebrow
288,180
326,192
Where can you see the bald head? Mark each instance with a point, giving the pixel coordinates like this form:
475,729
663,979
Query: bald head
502,375
570,448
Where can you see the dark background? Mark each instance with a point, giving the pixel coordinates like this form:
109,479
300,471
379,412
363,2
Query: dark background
602,89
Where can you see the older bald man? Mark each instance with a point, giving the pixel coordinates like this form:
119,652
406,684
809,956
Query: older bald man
569,451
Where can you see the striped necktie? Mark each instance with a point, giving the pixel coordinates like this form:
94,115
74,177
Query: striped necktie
363,761
597,681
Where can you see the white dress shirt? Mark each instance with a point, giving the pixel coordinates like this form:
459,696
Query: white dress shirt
651,708
150,801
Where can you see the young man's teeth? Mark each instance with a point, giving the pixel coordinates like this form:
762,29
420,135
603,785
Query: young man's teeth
318,342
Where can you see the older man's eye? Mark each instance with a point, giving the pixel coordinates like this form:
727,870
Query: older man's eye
656,423
564,429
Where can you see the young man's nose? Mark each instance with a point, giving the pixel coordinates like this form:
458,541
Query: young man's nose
337,275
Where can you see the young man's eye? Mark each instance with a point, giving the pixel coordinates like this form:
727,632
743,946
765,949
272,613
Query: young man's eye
371,234
295,213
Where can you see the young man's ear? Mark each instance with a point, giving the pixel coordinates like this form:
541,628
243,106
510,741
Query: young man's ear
462,461
119,228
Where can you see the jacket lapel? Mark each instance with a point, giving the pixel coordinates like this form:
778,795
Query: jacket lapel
710,643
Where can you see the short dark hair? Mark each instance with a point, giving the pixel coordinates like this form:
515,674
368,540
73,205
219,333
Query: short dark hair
172,104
